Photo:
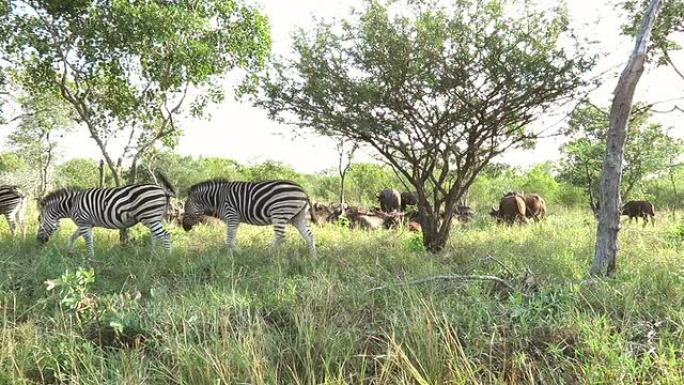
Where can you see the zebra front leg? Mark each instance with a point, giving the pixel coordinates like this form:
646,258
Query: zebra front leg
231,233
81,231
158,232
88,236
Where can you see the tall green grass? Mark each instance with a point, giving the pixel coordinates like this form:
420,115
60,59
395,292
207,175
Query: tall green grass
206,316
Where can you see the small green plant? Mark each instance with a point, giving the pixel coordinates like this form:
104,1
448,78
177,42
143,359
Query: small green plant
343,222
114,311
414,244
74,290
676,236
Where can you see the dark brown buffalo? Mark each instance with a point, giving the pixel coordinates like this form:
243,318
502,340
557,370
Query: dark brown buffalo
390,200
321,212
414,227
461,213
372,220
636,209
511,209
408,198
535,206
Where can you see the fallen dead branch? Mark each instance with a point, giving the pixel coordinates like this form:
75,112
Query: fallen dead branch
453,277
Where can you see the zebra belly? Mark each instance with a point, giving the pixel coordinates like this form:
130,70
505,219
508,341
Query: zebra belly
256,222
125,222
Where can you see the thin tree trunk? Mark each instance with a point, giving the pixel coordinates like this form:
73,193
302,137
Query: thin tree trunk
45,166
609,188
676,195
102,173
342,190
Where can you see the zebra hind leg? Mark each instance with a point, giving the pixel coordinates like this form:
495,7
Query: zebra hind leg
279,230
11,223
158,232
301,223
21,217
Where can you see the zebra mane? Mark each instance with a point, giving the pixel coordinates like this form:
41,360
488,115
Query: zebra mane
206,183
58,193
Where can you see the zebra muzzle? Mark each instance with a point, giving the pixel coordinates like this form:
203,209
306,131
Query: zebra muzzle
42,238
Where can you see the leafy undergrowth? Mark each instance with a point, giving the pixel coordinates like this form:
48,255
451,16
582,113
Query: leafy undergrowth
136,315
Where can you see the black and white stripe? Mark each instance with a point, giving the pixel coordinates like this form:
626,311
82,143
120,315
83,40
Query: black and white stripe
112,208
276,202
13,207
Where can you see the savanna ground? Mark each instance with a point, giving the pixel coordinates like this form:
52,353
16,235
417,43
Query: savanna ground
202,316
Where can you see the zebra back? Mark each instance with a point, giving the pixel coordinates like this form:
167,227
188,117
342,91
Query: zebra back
251,202
115,207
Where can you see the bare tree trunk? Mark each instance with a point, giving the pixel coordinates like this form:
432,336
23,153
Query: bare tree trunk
676,194
343,168
609,189
133,172
592,202
342,190
102,174
45,167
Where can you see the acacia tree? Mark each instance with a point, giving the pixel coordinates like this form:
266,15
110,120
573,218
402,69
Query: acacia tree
649,150
44,119
437,90
128,68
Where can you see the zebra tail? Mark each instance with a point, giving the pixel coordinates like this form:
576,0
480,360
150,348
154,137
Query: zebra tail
166,183
314,219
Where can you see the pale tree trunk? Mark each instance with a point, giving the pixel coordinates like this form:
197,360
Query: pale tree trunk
609,188
676,194
343,168
102,173
45,167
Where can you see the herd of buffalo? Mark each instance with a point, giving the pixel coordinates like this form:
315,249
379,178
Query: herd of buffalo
398,208
394,210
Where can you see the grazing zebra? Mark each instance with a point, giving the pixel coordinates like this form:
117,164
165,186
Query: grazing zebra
112,208
276,202
13,207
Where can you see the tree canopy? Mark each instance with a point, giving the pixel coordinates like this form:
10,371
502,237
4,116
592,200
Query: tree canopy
437,90
127,68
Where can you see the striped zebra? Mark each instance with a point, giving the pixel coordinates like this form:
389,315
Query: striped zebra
275,202
13,207
111,208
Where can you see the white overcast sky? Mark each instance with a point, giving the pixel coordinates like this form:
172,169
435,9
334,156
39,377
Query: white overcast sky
242,132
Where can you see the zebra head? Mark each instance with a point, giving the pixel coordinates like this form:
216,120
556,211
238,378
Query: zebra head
53,207
202,201
193,213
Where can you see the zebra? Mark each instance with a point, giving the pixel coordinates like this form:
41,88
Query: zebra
13,207
274,202
113,208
